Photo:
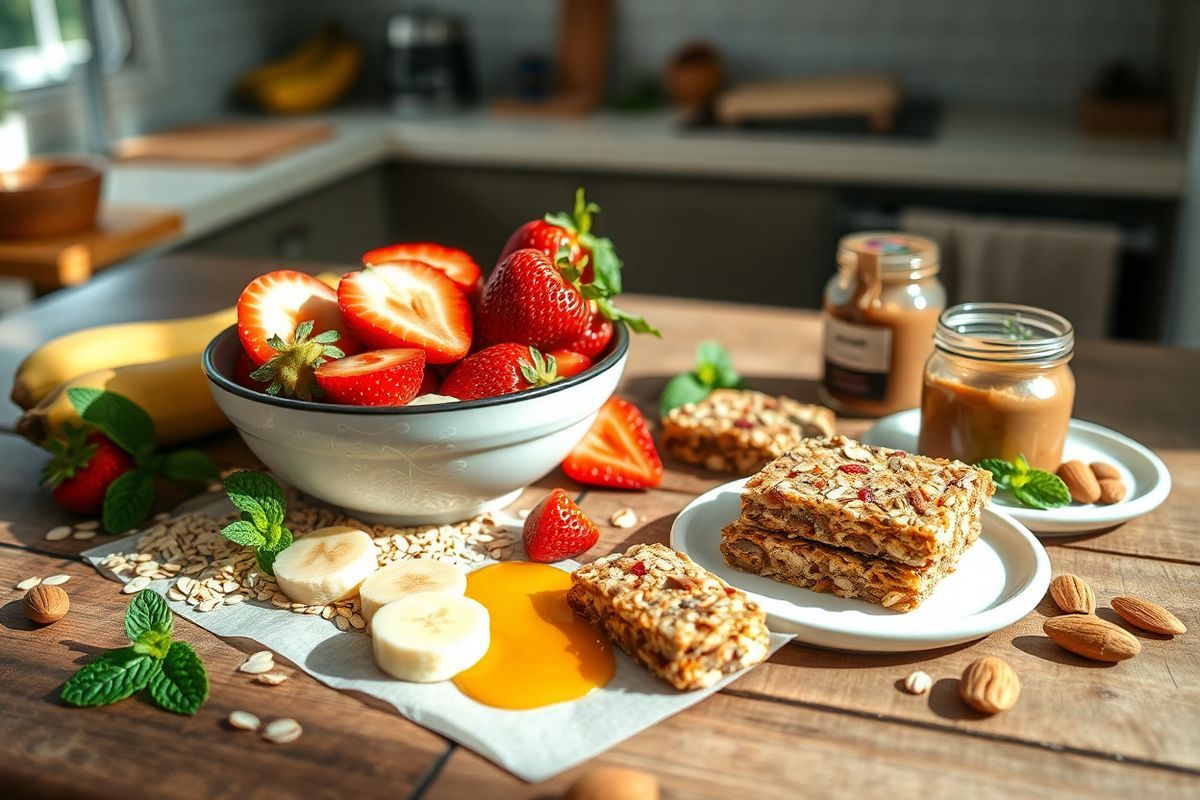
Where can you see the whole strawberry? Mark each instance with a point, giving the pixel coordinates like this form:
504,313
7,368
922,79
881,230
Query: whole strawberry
594,338
85,463
557,529
500,369
569,234
528,299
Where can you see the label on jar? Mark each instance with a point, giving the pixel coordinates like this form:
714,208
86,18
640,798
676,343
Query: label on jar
858,358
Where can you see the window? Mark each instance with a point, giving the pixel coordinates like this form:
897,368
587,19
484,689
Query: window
41,41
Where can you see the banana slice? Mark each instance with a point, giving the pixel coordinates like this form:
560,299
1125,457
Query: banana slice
325,566
408,576
429,636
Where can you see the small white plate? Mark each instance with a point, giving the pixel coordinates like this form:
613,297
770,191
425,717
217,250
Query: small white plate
998,581
1143,473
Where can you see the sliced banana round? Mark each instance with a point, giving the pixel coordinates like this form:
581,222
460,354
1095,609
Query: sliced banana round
429,636
407,576
325,566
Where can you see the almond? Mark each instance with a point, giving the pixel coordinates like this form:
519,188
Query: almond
1080,481
1092,637
1111,491
1148,616
989,685
1072,594
1105,471
45,604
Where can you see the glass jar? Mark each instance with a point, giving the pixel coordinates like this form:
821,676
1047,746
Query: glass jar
999,385
881,309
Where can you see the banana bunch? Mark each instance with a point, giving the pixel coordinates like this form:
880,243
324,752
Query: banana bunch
312,77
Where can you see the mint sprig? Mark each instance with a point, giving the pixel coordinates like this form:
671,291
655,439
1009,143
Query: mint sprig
172,671
1035,488
129,498
264,509
714,370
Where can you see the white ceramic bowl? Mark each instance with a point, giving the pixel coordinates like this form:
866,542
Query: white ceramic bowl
420,464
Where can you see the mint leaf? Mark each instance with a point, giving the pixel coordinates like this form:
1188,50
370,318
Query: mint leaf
181,685
148,611
187,465
118,418
1002,471
244,532
152,643
266,555
127,501
111,677
681,390
714,366
636,323
1043,490
258,498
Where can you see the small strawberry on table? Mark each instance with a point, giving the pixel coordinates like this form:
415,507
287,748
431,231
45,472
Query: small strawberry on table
618,451
556,529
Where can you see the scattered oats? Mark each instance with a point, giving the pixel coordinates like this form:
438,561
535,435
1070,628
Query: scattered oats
342,623
282,731
244,721
136,585
58,534
524,513
234,599
175,593
260,655
210,605
55,580
214,486
162,516
89,525
272,678
624,518
257,667
83,535
358,622
28,583
918,683
328,612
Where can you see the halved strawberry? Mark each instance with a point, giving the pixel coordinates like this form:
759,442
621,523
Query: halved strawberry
408,305
556,529
567,363
595,338
376,378
457,264
618,451
499,369
276,303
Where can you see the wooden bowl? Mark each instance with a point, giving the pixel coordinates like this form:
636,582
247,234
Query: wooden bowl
48,197
694,74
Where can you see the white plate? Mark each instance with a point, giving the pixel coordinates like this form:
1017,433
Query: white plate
998,581
1144,475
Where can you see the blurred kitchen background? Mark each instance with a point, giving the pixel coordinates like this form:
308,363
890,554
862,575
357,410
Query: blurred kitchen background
1051,147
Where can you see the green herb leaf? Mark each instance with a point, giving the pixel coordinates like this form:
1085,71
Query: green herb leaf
187,465
244,532
118,418
266,555
636,323
1043,490
681,390
181,685
148,611
127,501
111,677
259,498
152,643
1001,470
714,366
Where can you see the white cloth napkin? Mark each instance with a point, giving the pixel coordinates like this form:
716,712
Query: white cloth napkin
534,744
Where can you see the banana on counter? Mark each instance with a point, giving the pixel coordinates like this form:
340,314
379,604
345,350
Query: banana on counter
312,77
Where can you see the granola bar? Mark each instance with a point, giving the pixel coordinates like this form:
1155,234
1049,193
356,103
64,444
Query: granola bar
685,624
740,431
810,565
875,501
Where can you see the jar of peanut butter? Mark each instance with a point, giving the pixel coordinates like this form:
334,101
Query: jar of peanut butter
881,309
999,385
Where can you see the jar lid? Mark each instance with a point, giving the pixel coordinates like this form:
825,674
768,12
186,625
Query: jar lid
1004,332
898,255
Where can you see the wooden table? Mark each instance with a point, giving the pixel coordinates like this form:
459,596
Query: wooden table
810,723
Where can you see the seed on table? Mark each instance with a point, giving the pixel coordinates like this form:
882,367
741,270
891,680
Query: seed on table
28,583
918,683
89,525
136,585
244,721
358,622
343,624
260,655
55,580
234,599
58,534
83,535
282,731
272,678
256,667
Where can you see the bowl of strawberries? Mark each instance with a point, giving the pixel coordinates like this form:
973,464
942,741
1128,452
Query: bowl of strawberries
412,391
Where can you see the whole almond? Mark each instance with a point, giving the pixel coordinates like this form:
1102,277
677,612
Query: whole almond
1105,471
989,685
1111,491
614,783
1072,594
45,604
1092,637
1080,481
1148,616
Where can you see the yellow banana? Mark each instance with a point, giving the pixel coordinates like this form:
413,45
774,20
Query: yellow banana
304,56
314,87
174,393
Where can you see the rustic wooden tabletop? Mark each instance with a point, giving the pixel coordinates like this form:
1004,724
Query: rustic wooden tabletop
810,723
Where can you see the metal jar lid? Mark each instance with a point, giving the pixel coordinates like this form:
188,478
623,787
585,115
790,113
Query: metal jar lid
898,256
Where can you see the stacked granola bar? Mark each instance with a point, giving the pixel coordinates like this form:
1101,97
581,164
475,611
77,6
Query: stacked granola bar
861,522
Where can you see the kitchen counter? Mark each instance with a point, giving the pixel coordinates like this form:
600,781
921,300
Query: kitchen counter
973,150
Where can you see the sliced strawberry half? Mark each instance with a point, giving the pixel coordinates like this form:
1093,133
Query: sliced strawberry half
274,305
376,378
408,305
567,363
556,529
617,452
457,264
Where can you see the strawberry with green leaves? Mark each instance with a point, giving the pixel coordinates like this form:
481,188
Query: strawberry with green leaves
272,306
500,369
292,371
85,464
556,529
572,232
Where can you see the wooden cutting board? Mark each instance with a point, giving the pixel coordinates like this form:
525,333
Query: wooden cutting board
120,232
873,96
237,144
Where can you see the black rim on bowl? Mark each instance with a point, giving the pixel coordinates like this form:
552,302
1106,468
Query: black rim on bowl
617,350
